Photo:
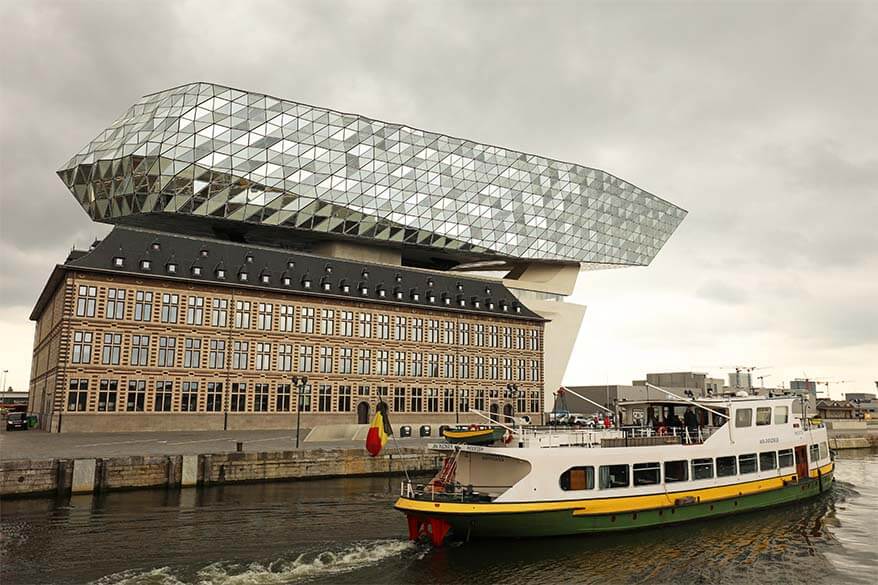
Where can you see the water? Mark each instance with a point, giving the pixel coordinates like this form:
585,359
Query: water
281,533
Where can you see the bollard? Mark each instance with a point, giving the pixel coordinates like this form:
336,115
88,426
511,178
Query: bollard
239,446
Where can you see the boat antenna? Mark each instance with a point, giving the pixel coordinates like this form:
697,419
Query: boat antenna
566,389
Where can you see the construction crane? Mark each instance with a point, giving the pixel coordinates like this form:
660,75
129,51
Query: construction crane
762,379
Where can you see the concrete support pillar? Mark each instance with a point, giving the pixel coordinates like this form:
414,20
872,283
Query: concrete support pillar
189,475
83,476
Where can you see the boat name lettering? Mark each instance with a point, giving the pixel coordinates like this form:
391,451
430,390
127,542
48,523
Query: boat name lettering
769,440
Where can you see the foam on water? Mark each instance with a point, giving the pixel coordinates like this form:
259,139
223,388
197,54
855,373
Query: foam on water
281,571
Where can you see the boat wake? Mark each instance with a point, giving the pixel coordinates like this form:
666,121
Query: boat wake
305,566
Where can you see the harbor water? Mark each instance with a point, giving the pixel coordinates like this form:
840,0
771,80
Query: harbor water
345,531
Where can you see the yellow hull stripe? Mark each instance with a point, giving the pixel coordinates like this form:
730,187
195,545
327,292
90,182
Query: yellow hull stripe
610,505
468,434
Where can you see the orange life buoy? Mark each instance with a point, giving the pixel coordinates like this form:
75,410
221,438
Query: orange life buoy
473,427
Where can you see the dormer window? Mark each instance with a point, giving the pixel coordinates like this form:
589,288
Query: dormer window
415,295
306,282
503,306
518,308
487,290
398,295
285,280
196,271
382,293
291,264
475,302
345,288
203,253
490,305
248,258
398,278
328,269
461,301
459,287
220,273
446,300
326,285
146,265
156,246
365,273
242,276
364,290
171,268
430,283
118,261
265,278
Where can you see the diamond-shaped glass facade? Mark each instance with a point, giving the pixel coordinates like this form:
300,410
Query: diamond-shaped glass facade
206,150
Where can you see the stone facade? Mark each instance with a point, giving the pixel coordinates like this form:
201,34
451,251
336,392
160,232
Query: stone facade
118,352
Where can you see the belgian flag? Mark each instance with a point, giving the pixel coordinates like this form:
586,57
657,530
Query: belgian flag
379,431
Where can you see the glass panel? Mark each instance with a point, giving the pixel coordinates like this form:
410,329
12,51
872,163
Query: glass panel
577,478
702,469
725,466
647,473
747,463
743,417
763,416
677,470
781,415
785,458
614,476
767,461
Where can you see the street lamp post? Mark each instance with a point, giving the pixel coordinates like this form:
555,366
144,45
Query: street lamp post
299,389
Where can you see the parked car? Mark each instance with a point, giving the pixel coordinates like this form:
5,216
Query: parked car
16,421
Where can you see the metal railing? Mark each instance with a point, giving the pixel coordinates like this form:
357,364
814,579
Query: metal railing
449,491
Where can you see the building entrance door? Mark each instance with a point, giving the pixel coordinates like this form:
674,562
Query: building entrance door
508,411
494,412
363,413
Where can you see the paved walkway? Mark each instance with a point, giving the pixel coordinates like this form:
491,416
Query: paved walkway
43,445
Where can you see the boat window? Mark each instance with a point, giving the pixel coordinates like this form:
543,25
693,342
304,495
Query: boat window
677,470
824,451
785,458
614,476
815,452
577,478
781,415
763,416
725,466
747,463
647,473
702,469
767,460
743,417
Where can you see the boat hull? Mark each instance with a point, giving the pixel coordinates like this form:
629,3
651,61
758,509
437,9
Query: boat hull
569,521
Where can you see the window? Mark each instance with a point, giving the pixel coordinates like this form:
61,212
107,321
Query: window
702,469
108,392
535,370
519,339
115,303
140,350
112,349
242,314
767,460
814,453
135,400
192,353
417,365
324,398
167,352
347,323
260,398
433,365
480,367
364,359
282,398
824,450
77,396
306,324
743,417
195,310
82,342
492,336
399,399
647,473
189,397
214,397
285,357
399,363
535,405
238,397
781,415
344,398
327,321
463,367
432,331
577,478
164,396
463,334
432,400
448,400
507,369
399,329
382,327
217,355
463,403
345,363
674,471
286,319
614,476
417,401
725,466
763,416
305,398
86,301
142,306
264,316
480,400
146,264
747,463
494,369
118,261
785,458
219,314
480,335
170,307
534,340
365,325
263,356
522,373
448,366
239,355
447,332
417,330
306,358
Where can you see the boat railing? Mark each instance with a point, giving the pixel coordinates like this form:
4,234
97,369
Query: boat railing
544,437
449,491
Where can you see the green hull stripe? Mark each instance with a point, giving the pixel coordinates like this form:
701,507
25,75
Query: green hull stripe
563,522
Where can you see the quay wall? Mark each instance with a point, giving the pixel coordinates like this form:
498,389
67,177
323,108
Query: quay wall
25,477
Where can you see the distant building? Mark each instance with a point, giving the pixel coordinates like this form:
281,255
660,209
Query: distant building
11,399
835,409
740,381
865,404
807,388
699,383
851,396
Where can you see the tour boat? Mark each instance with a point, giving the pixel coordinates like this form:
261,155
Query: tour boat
475,435
737,454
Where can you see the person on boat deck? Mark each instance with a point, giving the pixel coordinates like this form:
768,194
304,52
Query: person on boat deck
690,419
674,421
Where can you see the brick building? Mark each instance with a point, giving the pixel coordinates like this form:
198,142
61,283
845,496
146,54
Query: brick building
151,331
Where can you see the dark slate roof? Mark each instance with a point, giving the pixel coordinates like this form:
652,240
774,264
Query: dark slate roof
150,254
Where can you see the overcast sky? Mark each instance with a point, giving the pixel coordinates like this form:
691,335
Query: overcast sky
759,119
